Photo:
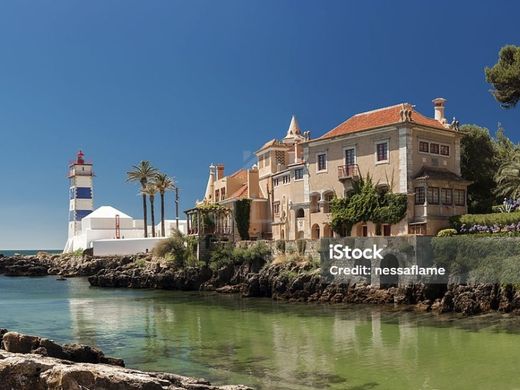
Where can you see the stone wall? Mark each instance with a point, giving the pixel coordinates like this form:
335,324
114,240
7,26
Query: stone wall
397,251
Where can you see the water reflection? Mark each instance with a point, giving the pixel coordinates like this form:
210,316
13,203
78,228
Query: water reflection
267,344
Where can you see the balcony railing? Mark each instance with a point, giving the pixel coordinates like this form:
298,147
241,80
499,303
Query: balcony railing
348,172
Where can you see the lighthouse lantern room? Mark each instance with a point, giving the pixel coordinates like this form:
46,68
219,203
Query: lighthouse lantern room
80,193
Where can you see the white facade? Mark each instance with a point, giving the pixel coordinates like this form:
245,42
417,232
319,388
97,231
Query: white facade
111,232
128,246
170,226
102,224
107,230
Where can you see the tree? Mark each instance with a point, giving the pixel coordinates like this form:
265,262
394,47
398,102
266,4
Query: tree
242,217
366,203
142,173
504,147
478,164
151,189
505,76
508,177
163,183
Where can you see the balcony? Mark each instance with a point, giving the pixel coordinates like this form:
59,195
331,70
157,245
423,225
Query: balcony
348,172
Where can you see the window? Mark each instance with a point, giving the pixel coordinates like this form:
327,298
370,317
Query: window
460,197
298,174
276,208
286,179
382,151
387,230
223,193
327,197
350,156
434,148
419,229
322,162
276,182
447,196
217,195
433,195
419,195
261,161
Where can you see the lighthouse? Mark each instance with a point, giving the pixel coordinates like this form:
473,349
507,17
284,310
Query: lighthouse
81,200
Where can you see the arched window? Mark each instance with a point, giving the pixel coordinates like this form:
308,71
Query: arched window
327,231
327,198
300,213
315,232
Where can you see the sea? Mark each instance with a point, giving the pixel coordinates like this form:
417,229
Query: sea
28,252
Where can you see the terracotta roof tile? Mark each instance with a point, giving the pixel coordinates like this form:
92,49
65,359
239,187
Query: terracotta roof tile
378,118
240,193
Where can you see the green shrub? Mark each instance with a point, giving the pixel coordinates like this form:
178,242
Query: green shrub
223,255
301,244
446,233
280,246
255,253
497,209
78,252
473,258
485,219
173,248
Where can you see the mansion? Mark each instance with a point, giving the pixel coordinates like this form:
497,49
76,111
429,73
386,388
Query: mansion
296,177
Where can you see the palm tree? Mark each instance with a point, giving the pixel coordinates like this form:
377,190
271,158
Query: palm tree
163,183
508,177
150,189
142,173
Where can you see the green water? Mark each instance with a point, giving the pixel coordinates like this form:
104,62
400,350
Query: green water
269,345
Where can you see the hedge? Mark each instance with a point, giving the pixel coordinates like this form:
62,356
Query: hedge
501,219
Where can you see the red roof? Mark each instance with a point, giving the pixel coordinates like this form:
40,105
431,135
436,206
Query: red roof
240,193
379,118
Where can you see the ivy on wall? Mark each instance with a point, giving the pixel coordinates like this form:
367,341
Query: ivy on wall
242,217
365,203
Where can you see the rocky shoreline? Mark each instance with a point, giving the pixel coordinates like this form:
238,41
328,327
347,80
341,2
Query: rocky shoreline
35,363
300,282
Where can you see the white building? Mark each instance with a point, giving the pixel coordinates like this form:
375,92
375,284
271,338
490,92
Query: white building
170,226
107,230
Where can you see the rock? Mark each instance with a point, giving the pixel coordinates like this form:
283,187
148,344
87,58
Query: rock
20,343
229,289
35,372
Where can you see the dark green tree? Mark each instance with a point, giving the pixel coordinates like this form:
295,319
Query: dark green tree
242,217
479,164
505,76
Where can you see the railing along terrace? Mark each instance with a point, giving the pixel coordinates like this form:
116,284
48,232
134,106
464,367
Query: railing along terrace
348,171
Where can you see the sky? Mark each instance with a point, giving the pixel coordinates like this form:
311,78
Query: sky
188,83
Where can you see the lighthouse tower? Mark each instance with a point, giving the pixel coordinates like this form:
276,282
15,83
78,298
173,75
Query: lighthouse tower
81,197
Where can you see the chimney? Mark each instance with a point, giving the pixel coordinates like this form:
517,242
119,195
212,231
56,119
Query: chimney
438,106
253,183
220,171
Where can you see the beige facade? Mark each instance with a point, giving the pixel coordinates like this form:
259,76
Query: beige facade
296,177
400,148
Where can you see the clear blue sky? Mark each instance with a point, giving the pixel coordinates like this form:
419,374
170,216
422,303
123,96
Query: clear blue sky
184,84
